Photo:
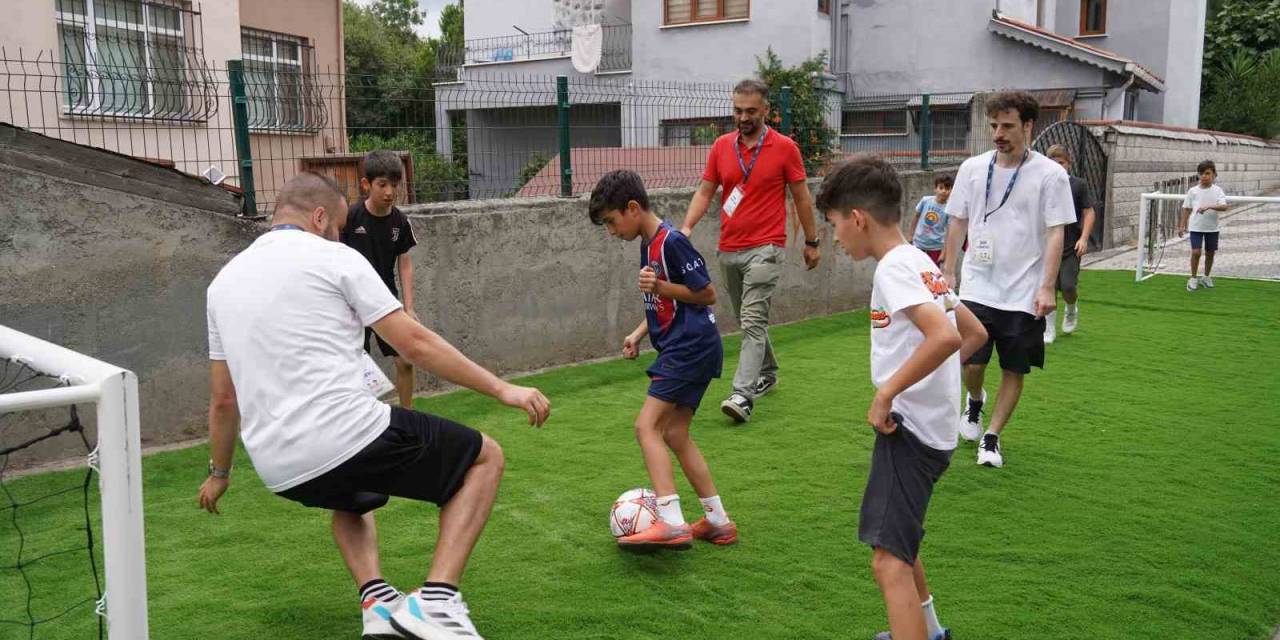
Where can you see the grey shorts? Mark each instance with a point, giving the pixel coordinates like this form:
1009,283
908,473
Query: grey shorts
1069,272
903,472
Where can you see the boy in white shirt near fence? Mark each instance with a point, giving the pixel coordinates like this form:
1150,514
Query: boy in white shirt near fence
1200,216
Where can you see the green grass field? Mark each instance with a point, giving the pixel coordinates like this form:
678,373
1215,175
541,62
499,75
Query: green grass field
1141,500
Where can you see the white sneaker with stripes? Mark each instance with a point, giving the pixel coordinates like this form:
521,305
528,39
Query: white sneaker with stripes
434,619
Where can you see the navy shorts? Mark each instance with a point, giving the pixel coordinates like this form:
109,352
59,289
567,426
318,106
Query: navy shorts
681,393
1207,238
899,485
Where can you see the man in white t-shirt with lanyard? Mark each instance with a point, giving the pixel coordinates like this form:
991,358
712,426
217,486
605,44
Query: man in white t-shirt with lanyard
286,319
1011,204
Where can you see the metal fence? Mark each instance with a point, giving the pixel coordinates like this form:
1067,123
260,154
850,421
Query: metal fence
478,133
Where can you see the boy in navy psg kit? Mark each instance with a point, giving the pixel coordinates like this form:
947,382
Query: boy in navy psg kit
678,301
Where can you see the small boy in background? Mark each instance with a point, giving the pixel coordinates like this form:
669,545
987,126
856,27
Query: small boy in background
678,303
383,235
1075,243
1200,217
920,333
929,228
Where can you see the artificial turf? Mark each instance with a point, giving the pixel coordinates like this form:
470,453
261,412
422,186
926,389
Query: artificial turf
1141,499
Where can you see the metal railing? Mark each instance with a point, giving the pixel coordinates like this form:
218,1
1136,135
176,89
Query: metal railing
615,50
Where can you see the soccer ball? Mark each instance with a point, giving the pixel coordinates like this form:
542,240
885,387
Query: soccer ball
633,512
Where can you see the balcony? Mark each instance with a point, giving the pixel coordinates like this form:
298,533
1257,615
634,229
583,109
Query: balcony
615,50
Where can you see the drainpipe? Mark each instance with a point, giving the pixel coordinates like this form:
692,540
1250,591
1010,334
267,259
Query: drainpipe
1124,89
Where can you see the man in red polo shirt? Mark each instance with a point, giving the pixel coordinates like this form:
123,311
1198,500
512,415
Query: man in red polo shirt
754,168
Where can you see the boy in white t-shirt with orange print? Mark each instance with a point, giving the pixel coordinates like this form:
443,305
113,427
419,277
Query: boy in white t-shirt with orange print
919,334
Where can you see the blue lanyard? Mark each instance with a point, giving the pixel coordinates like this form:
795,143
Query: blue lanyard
286,227
755,155
991,168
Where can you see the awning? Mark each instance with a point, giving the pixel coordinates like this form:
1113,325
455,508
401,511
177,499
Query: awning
1055,98
942,100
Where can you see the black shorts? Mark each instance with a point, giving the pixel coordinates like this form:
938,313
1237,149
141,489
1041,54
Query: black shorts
420,457
1016,335
1069,272
386,349
903,472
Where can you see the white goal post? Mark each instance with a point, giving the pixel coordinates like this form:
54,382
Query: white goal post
118,462
1147,248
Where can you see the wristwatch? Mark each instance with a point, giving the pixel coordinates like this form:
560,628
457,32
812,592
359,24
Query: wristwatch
215,472
812,243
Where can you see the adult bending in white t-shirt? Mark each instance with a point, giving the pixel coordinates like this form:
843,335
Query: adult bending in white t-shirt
286,320
1011,204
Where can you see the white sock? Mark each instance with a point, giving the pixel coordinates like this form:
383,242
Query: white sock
931,619
669,510
714,510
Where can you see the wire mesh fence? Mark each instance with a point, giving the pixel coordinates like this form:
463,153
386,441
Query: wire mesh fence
475,132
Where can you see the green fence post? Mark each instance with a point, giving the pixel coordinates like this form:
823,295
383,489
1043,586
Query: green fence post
240,122
566,164
926,132
785,107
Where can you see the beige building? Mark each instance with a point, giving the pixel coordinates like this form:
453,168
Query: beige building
148,78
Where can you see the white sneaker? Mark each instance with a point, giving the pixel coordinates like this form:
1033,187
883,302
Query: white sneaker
989,451
1050,327
1206,281
1069,319
422,619
971,417
1191,284
377,619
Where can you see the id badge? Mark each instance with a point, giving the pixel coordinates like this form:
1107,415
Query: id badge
983,249
373,379
731,203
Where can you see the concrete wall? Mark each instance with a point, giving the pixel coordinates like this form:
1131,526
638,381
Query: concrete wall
111,257
1141,156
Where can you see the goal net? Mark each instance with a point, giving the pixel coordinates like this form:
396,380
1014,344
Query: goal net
71,543
1249,240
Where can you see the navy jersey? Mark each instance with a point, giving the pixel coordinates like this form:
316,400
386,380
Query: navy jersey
685,335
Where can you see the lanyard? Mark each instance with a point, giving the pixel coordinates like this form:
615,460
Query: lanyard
755,155
287,227
991,168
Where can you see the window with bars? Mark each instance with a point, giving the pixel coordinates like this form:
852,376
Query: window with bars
694,131
130,58
862,122
689,11
948,129
277,82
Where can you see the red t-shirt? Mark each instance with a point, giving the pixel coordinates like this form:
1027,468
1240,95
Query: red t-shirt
761,217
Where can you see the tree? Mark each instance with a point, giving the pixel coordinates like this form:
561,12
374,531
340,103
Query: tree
399,17
808,104
1244,95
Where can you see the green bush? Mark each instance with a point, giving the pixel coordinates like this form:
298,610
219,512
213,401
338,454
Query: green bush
808,105
531,168
1243,95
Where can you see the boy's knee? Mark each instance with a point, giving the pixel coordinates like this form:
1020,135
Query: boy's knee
1195,253
887,566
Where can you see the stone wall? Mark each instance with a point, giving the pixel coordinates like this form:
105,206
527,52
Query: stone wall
1141,155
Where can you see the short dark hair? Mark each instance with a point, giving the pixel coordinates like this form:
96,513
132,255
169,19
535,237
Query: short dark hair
612,193
865,182
752,85
1028,107
383,164
1206,164
945,180
308,191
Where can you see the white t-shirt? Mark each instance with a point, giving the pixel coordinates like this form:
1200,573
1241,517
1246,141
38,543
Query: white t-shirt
905,278
1197,197
287,315
1040,200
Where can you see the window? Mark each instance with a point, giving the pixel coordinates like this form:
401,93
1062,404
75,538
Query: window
694,131
688,11
1093,17
276,81
948,129
127,58
824,6
880,122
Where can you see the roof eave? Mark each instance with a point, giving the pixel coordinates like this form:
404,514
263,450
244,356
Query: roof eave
1124,68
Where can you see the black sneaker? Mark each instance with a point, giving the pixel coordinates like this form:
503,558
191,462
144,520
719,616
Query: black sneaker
738,407
764,385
